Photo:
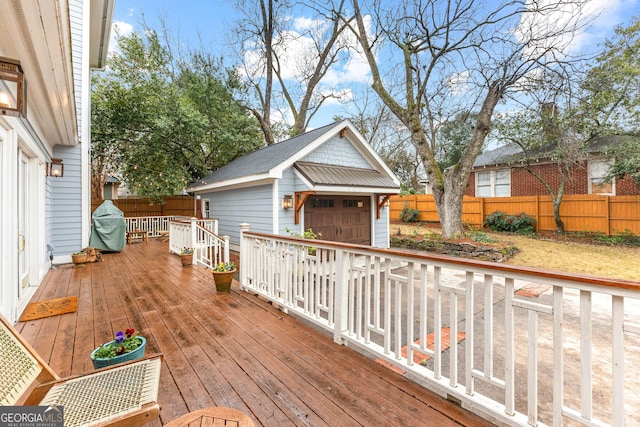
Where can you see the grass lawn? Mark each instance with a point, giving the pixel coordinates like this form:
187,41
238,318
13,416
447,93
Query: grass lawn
550,252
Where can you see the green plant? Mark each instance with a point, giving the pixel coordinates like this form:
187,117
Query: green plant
482,237
307,234
125,342
626,237
225,266
186,251
519,223
78,252
408,214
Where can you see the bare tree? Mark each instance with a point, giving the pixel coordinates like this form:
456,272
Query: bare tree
454,56
284,65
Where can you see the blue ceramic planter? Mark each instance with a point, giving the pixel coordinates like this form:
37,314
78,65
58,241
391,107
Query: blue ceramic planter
135,354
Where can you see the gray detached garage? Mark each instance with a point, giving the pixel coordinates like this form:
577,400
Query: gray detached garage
329,180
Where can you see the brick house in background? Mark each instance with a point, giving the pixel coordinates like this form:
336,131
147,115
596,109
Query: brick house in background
499,173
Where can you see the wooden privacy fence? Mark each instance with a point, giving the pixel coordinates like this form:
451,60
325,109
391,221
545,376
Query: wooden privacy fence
580,213
170,206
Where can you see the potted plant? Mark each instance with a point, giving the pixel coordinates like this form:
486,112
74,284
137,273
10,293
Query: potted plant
127,346
223,276
186,256
79,257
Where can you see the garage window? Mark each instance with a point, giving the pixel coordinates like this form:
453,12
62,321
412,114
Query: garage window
322,203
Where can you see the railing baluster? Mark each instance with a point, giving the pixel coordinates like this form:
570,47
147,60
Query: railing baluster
367,299
532,369
424,306
387,306
617,375
437,325
558,355
469,332
586,388
509,348
410,312
488,326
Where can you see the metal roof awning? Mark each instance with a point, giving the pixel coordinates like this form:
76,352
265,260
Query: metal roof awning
343,176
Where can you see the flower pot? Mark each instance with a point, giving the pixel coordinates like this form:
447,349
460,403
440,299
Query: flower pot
79,258
132,355
223,280
187,259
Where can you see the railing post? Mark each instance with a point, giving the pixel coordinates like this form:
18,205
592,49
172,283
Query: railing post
245,253
226,248
193,240
341,298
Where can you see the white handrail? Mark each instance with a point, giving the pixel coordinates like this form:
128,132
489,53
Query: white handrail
399,307
209,248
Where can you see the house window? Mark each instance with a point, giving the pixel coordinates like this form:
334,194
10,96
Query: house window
206,207
598,170
493,183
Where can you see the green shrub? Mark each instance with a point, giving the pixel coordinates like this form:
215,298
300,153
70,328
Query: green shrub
519,223
626,237
409,215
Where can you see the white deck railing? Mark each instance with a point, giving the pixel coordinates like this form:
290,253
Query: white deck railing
557,359
155,226
201,235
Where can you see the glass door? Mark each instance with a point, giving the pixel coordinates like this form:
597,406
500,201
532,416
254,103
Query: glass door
23,256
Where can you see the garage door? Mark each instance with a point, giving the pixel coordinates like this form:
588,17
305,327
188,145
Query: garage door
339,218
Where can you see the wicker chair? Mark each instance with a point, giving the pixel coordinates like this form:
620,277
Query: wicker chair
124,394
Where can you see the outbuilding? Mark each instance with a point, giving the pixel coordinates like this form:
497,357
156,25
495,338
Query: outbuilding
329,180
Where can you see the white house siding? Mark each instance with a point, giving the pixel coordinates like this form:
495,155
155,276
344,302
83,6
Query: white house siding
251,205
336,152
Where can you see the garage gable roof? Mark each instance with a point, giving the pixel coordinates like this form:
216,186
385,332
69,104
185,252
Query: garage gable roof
320,174
269,162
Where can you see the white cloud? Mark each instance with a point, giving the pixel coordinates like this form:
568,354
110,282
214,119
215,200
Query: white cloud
118,29
459,83
602,15
296,52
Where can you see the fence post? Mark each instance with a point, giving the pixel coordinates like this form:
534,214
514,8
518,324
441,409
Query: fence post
607,207
245,254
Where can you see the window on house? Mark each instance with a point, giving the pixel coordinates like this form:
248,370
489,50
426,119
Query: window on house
493,183
205,208
598,170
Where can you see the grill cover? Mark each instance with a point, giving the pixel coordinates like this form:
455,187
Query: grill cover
108,228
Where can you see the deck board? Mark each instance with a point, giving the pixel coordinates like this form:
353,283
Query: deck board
233,350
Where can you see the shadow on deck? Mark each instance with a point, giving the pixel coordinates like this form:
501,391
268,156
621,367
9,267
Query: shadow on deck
232,350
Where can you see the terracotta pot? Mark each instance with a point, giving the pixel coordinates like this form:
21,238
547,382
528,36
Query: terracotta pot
79,258
187,259
223,280
138,353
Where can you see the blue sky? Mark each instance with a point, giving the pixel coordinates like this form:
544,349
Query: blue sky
211,20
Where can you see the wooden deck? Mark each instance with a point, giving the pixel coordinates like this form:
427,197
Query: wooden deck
232,350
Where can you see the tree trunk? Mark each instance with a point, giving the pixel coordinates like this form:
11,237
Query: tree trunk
557,201
450,213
